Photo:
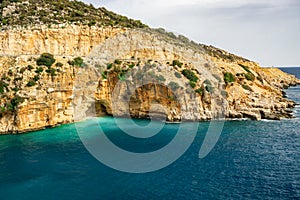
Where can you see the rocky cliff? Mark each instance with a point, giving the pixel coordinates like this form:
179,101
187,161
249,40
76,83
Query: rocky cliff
58,74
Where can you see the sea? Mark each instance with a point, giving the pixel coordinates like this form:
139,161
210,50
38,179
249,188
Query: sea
250,160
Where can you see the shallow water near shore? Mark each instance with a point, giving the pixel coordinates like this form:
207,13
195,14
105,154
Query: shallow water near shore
252,160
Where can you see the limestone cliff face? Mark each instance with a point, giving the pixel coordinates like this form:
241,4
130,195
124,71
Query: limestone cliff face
69,40
129,72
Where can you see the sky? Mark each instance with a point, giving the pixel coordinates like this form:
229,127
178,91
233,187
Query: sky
265,31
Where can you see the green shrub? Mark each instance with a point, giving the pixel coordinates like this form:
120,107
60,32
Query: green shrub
15,89
224,93
190,75
2,110
36,78
51,71
245,68
192,84
92,23
78,61
59,64
229,77
31,83
39,70
161,78
122,75
250,77
18,79
131,65
207,82
178,75
104,75
118,62
22,70
109,66
45,59
30,67
9,107
247,87
177,63
10,72
3,86
174,86
199,91
209,88
16,101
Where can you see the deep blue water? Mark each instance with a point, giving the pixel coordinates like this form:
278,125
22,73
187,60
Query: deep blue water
252,160
292,70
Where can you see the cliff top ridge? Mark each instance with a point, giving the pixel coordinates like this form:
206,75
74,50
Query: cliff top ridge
47,12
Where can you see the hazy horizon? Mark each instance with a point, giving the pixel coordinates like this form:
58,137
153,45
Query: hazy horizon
264,31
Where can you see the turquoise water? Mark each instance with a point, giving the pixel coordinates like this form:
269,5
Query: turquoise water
252,160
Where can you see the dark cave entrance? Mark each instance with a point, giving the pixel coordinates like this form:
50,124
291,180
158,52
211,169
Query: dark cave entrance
97,109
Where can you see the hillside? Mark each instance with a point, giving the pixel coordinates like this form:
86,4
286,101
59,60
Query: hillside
60,68
46,12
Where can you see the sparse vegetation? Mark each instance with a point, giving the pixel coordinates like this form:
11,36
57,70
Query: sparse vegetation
30,67
122,75
62,12
78,61
207,82
178,75
36,78
118,62
224,93
199,91
39,70
245,68
173,85
247,87
250,77
192,84
189,74
3,86
10,72
22,70
104,75
229,77
46,59
51,71
16,101
209,88
109,66
177,63
31,83
59,64
161,78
